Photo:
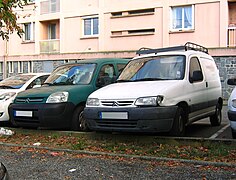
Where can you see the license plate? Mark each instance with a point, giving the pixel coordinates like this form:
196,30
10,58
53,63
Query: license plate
24,113
113,115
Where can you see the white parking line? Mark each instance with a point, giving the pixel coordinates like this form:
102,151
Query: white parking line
219,132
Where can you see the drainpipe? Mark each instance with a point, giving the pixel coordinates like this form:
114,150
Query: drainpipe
5,60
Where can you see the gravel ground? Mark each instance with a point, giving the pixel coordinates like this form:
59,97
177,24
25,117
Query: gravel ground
31,164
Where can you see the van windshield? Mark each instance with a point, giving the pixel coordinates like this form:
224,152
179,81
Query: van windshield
71,74
154,68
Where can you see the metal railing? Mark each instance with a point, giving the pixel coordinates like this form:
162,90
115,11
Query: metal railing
50,6
231,37
50,46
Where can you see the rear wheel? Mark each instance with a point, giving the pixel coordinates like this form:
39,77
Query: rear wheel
178,128
78,121
217,117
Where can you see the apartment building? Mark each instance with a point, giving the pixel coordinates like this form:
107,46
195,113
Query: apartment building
61,31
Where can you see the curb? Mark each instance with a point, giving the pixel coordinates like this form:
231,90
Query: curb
149,158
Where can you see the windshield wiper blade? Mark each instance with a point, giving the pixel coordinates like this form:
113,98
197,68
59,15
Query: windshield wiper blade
49,84
6,87
124,80
150,79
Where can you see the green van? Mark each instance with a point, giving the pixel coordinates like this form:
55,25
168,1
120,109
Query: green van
60,102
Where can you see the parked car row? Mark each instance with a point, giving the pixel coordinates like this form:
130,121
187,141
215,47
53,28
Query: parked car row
160,90
59,103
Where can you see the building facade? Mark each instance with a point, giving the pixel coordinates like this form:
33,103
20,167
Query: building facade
61,31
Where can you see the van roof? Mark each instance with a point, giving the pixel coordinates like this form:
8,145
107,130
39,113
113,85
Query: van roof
187,49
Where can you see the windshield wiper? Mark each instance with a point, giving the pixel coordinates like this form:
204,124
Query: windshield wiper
6,87
150,79
49,84
62,83
124,80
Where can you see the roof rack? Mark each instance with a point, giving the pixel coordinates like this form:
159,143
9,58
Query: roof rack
186,47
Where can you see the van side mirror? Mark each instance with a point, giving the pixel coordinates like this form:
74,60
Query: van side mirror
197,76
36,86
231,81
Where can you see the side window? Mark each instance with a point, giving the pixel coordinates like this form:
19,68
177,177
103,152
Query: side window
120,68
37,82
195,71
106,75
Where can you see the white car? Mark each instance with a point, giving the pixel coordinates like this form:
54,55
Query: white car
232,108
11,86
161,90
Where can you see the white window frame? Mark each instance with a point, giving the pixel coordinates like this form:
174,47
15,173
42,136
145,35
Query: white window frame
182,28
30,66
10,66
20,67
50,30
1,67
32,31
91,28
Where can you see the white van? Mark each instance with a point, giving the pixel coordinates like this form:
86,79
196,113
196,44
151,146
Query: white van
161,90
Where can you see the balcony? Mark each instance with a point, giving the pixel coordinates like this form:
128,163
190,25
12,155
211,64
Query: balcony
231,36
49,6
49,46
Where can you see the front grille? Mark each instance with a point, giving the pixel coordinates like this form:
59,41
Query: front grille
117,103
116,123
29,100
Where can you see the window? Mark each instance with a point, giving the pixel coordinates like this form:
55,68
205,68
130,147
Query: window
52,31
106,75
1,67
195,68
20,67
30,66
90,26
53,6
182,18
29,29
10,67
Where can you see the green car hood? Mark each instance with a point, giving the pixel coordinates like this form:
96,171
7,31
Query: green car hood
76,92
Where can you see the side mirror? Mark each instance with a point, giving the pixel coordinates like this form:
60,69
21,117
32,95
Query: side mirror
197,76
36,86
231,81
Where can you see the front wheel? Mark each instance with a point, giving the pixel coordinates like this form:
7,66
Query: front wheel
178,127
217,117
78,121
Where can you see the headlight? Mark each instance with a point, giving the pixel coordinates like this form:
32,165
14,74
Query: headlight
234,103
149,101
6,96
92,102
58,97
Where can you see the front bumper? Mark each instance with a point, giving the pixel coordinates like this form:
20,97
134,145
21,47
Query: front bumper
55,115
145,119
232,118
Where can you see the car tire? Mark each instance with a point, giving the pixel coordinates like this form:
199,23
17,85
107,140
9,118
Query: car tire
78,121
178,127
217,117
233,133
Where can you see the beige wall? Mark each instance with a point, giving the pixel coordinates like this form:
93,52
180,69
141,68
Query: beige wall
211,23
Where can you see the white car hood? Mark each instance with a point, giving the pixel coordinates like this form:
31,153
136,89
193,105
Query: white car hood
2,91
132,90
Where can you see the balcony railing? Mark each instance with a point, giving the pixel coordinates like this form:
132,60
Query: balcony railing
231,37
50,46
49,6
